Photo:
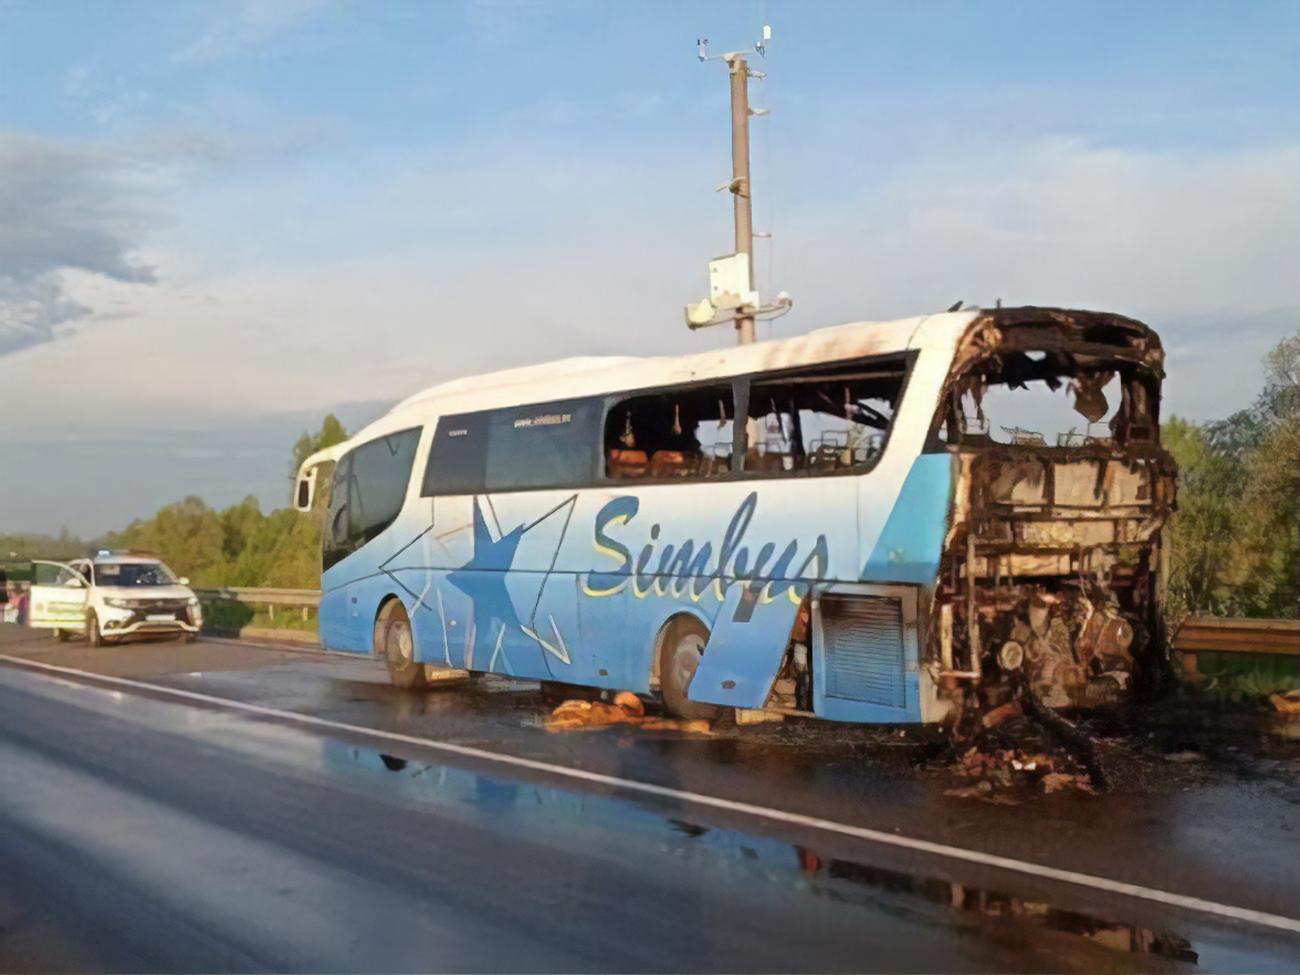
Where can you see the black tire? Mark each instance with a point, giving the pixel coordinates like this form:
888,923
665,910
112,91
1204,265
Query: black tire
679,657
394,639
189,637
61,636
94,638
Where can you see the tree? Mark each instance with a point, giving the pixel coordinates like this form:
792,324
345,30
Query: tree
238,523
1268,569
1235,540
188,536
1201,533
331,433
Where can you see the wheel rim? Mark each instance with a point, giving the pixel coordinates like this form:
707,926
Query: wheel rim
399,646
686,661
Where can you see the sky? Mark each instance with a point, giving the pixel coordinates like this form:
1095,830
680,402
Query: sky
220,220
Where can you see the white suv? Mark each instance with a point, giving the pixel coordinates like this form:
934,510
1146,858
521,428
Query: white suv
112,596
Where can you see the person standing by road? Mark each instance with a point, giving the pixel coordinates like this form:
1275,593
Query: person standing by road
4,593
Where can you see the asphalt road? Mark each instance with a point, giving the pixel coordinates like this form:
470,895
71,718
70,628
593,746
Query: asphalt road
142,832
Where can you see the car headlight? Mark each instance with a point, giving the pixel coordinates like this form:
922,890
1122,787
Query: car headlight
194,600
118,603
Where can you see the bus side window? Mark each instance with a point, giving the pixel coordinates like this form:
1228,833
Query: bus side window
367,492
531,447
829,420
458,456
672,434
540,446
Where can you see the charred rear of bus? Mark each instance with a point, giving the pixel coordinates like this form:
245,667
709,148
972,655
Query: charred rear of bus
1050,577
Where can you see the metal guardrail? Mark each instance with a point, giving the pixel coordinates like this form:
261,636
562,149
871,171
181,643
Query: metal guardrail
1209,634
236,594
304,600
1196,634
260,597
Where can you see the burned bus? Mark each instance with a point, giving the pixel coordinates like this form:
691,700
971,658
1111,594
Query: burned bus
904,521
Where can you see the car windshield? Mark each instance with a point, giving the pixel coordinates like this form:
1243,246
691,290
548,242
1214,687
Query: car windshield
133,574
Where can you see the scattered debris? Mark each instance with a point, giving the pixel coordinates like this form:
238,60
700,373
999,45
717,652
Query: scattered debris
1056,781
1004,770
630,703
695,726
579,715
757,716
1286,703
1080,746
1022,748
576,714
1012,709
977,791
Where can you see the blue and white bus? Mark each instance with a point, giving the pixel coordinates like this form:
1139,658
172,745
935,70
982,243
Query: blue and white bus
876,522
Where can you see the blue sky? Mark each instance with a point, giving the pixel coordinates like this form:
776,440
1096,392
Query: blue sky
218,220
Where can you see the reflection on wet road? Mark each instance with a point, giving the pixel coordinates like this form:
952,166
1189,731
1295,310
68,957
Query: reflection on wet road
751,858
143,834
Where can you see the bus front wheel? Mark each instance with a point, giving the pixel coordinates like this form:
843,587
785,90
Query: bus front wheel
395,640
679,658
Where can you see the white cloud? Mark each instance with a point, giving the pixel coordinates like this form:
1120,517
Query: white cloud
62,208
1202,248
1180,241
1067,223
1177,242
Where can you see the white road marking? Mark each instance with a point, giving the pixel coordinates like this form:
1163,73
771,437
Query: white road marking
1029,868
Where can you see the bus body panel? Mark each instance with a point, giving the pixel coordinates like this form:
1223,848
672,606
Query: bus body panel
332,619
910,544
746,646
575,585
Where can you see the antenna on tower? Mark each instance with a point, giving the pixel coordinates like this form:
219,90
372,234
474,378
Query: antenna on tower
731,277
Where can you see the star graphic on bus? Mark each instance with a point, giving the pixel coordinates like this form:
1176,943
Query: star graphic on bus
484,580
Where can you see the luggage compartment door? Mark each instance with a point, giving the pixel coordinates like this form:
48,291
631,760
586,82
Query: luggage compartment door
745,649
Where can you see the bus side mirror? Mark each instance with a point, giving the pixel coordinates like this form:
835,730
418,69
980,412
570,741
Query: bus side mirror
306,490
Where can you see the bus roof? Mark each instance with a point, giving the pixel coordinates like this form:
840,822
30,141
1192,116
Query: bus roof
583,376
597,375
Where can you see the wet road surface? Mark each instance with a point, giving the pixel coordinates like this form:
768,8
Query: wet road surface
142,833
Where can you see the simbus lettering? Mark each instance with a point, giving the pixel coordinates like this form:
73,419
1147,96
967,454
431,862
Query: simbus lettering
689,568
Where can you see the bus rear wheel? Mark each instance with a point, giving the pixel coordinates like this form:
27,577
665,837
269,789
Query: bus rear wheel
679,658
394,639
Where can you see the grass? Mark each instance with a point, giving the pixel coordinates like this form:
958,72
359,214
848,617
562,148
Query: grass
1249,678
